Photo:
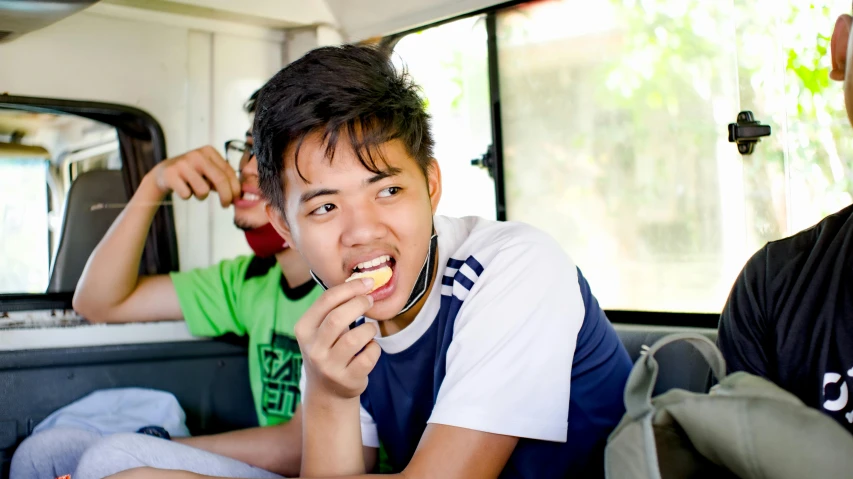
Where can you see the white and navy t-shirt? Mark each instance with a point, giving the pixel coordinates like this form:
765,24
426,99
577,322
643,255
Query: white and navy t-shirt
510,341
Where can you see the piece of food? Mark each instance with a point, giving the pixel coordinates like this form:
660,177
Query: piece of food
380,276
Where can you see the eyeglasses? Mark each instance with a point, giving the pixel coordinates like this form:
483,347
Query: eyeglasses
237,153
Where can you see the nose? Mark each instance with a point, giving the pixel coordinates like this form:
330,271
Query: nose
250,167
363,225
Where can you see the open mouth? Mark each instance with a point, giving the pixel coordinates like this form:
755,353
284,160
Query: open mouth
381,269
374,264
247,199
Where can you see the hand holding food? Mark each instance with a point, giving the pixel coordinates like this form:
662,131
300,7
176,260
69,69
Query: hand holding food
338,359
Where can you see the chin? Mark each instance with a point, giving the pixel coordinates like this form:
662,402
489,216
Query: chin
383,312
387,309
248,223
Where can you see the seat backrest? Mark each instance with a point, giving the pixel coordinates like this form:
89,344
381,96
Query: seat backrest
681,366
83,227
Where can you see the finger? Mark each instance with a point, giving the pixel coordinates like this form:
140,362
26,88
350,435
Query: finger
178,185
214,157
233,181
169,181
333,298
222,165
233,177
338,320
351,342
213,169
365,361
199,185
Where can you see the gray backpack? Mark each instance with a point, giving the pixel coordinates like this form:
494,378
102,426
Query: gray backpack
746,427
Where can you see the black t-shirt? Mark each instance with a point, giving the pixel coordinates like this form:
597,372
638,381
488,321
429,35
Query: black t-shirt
789,317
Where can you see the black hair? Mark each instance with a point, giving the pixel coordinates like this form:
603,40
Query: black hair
251,104
350,91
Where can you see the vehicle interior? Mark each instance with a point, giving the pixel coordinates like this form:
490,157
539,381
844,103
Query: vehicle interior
623,128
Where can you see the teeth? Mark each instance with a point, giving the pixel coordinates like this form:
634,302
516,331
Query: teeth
373,262
251,197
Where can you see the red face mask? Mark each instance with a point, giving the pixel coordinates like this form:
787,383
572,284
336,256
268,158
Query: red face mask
265,241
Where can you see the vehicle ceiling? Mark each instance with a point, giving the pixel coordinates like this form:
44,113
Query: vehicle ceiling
354,19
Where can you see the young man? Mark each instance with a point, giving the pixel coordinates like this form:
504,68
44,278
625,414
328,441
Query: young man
788,317
261,296
485,354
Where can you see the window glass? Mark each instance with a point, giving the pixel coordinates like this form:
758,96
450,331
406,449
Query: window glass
450,64
615,119
24,245
41,155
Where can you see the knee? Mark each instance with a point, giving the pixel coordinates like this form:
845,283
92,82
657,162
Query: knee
50,453
33,451
110,455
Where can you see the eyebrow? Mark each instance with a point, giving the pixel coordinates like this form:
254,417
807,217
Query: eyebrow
382,175
311,194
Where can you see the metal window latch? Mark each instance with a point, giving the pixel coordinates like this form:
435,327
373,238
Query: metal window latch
487,161
747,132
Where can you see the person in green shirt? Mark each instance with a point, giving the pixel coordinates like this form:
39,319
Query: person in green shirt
250,296
261,296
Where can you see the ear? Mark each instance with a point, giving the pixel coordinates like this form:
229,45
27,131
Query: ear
839,47
434,183
279,223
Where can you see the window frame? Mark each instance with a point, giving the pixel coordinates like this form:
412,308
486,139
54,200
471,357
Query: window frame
142,144
389,42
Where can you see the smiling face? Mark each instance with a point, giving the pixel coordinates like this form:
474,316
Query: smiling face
344,218
249,209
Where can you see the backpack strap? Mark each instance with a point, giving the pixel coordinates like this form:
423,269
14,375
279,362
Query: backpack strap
644,374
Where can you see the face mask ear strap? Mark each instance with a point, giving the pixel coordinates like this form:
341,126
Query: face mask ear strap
425,277
318,280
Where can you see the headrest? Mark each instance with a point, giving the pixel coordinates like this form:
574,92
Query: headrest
83,227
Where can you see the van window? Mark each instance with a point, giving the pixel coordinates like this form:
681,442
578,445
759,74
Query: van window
615,117
24,245
41,155
449,63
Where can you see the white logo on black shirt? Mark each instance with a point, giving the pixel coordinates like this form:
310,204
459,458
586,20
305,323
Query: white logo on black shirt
839,403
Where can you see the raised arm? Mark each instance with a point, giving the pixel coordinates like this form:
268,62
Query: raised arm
110,289
337,361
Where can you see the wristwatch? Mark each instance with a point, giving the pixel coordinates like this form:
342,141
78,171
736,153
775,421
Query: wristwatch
155,431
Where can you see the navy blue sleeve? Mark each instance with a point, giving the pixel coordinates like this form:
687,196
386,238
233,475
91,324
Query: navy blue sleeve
743,326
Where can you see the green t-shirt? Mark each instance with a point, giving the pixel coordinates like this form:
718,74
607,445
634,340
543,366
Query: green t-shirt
248,296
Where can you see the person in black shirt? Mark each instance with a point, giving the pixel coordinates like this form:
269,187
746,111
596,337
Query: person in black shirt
789,317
